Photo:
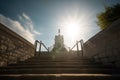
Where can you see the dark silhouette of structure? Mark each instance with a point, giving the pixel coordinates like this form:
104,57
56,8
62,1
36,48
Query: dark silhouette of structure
59,44
101,60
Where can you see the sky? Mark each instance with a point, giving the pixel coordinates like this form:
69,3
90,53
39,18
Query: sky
41,19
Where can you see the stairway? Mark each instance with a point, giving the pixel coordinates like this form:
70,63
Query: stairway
59,67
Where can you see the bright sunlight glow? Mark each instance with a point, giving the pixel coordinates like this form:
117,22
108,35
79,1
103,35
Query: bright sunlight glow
72,29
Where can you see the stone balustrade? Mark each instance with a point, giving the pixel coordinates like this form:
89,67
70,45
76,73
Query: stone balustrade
104,47
13,48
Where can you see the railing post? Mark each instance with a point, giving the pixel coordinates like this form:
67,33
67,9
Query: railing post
40,47
81,43
77,47
35,46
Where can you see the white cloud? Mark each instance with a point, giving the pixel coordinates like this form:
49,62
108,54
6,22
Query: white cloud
26,17
28,24
18,27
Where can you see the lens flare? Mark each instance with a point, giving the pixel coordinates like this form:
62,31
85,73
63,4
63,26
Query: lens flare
72,29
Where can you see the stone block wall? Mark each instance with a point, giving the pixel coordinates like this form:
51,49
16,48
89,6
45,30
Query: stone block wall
13,48
104,47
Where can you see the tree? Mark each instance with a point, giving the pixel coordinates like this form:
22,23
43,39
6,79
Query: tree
110,14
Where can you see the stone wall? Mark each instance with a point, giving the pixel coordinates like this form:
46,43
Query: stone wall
104,47
13,48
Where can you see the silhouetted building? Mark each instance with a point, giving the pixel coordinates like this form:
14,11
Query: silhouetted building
59,43
59,40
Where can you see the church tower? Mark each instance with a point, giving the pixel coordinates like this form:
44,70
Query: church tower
59,43
59,40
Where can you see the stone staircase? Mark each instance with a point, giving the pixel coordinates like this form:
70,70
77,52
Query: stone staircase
59,67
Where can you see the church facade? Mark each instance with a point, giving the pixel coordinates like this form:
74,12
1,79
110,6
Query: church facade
59,43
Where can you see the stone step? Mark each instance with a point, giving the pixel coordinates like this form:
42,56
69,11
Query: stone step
41,68
57,70
61,59
69,62
58,57
57,66
35,60
54,63
64,55
60,77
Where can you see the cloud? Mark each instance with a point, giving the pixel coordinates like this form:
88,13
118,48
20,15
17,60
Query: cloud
26,17
28,24
26,29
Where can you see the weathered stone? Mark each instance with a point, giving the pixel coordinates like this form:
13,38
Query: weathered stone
105,46
13,47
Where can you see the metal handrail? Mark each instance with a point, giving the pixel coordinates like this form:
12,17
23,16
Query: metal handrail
76,45
41,44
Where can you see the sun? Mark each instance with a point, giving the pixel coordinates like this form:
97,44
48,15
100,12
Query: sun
72,29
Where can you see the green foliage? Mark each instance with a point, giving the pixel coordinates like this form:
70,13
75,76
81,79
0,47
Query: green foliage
108,16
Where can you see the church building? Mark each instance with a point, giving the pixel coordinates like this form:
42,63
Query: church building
59,40
59,43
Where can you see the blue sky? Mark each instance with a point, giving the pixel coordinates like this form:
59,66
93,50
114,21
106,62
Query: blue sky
41,19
